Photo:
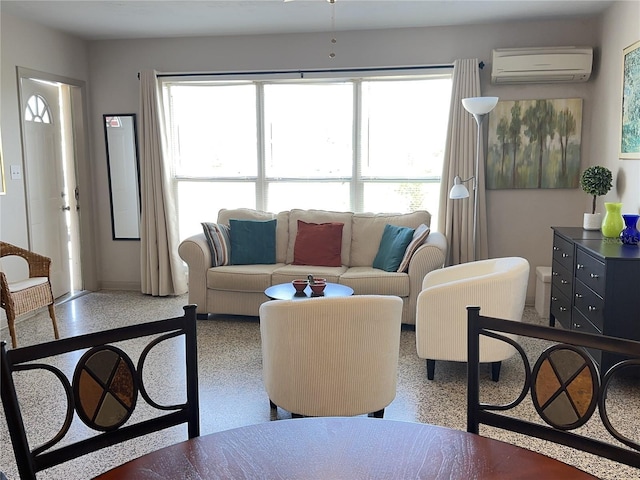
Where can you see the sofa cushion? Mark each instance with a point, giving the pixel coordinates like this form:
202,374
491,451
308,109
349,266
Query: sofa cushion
282,227
241,278
217,235
288,273
367,231
419,236
320,216
253,242
393,244
371,281
318,244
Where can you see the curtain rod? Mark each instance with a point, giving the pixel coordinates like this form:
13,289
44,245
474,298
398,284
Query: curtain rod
303,72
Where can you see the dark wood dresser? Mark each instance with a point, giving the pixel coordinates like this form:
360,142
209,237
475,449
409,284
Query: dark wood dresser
595,285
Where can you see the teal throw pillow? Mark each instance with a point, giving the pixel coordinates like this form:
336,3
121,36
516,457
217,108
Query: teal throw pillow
393,244
253,242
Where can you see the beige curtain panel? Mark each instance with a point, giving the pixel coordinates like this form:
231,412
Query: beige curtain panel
456,216
162,270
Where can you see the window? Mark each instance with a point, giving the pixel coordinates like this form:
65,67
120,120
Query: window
365,144
37,110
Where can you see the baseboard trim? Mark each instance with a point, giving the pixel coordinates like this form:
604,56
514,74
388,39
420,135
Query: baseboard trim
129,286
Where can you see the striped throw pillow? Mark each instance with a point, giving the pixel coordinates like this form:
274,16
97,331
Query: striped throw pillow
219,243
419,236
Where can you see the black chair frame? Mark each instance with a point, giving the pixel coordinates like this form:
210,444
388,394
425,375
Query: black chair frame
30,461
482,413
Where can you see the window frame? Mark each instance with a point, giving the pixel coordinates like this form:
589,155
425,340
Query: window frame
357,181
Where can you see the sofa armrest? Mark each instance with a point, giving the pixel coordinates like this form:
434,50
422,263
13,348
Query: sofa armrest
195,252
429,256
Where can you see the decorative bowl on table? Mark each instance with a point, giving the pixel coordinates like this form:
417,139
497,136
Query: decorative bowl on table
299,284
318,285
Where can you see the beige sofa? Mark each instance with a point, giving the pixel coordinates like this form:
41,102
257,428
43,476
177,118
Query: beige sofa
239,289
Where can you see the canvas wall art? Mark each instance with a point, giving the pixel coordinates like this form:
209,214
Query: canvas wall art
630,128
534,144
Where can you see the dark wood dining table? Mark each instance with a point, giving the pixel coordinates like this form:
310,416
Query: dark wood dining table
344,448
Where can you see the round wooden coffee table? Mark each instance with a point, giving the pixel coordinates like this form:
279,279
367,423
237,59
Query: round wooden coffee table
285,291
347,447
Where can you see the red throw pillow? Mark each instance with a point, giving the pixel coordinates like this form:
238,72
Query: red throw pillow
318,244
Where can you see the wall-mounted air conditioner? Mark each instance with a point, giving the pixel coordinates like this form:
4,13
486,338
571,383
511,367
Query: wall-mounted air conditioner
541,65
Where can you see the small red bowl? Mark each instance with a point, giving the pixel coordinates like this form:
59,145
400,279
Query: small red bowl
300,285
318,287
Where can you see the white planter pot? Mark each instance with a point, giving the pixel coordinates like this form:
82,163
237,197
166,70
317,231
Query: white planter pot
592,221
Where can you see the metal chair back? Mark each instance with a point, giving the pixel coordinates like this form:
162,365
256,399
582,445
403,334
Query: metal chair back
565,385
103,391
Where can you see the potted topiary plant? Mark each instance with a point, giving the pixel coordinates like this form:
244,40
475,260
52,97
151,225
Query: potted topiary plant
595,181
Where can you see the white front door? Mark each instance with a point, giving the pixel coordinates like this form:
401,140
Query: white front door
50,179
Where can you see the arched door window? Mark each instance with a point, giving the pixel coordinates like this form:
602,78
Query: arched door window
37,110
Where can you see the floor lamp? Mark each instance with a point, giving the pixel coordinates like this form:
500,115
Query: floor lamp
479,107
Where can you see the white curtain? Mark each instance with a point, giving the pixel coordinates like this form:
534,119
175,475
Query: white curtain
162,270
456,216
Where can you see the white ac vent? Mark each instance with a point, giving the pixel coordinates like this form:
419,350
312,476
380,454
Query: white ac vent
541,65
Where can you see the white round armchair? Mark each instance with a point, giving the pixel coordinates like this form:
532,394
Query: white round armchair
498,286
331,356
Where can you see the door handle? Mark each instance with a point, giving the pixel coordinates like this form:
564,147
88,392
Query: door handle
66,208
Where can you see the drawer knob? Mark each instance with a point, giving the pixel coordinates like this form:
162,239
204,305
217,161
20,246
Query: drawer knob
577,325
565,255
564,282
591,308
554,299
579,266
555,274
594,275
578,295
556,248
563,309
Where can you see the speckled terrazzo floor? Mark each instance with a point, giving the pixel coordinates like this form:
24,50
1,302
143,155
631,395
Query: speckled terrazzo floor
232,395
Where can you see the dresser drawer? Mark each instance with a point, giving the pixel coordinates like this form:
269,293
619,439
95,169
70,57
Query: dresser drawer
563,252
581,324
561,279
589,304
590,271
561,308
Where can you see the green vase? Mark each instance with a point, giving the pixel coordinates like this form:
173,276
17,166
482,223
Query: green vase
612,224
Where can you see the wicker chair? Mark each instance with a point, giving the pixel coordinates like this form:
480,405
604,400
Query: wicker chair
24,296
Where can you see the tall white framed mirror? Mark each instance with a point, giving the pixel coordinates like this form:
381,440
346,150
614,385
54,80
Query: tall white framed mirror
121,142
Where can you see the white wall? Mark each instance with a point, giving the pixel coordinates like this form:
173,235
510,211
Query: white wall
620,28
24,44
27,45
519,220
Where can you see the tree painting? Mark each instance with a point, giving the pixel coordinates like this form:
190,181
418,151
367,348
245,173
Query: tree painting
630,141
534,144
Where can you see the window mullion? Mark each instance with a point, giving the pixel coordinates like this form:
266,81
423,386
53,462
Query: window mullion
262,187
357,189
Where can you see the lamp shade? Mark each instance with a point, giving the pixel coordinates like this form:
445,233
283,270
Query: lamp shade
479,105
458,191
